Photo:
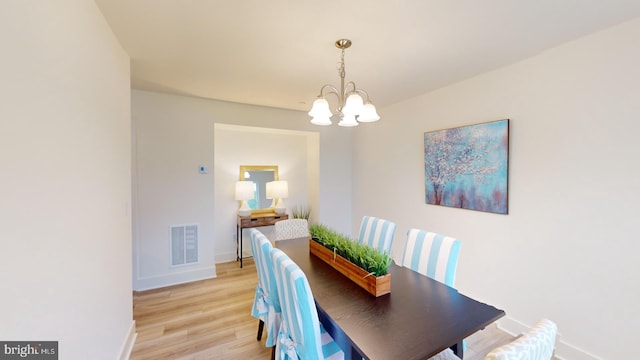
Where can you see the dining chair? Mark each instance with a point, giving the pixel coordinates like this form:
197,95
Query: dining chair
301,334
266,306
431,254
377,233
291,229
536,344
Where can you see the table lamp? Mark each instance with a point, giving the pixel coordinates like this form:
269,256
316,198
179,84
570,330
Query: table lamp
269,194
244,192
279,191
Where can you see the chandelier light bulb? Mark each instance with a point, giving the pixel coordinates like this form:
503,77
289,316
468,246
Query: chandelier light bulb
354,105
368,114
320,108
348,120
320,112
322,121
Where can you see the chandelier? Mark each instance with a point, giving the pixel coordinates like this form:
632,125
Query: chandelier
352,108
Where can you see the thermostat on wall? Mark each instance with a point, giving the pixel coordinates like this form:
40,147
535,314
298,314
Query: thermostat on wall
203,169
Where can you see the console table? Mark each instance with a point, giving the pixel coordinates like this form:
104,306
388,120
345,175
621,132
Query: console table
251,221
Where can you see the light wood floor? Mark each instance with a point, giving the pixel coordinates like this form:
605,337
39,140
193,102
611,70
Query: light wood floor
211,319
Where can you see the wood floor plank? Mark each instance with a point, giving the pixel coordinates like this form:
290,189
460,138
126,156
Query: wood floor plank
210,319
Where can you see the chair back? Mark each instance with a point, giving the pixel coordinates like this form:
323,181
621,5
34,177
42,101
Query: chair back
433,255
291,229
377,233
266,305
299,335
536,344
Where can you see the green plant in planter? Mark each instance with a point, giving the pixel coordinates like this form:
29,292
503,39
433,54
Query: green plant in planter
367,258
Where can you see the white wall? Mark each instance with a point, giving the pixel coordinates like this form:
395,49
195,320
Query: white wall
65,180
568,248
175,134
171,141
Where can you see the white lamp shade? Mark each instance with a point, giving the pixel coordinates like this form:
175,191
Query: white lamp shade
279,189
320,108
369,114
320,112
353,105
348,120
269,190
323,121
244,190
269,193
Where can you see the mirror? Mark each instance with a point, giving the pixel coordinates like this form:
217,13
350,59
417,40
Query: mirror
260,175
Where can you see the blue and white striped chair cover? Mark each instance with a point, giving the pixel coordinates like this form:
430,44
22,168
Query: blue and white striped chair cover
291,229
266,305
433,255
301,335
377,233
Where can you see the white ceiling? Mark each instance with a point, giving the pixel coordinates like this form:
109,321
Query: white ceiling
279,53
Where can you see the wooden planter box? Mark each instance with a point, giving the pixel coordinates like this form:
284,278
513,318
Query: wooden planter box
376,286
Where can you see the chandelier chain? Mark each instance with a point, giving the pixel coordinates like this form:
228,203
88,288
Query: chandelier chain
341,71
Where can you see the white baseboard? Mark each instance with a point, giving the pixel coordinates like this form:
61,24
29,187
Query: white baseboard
226,257
155,282
564,350
129,341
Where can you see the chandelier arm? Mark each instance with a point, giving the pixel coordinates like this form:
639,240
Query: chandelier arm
362,92
332,90
346,93
355,90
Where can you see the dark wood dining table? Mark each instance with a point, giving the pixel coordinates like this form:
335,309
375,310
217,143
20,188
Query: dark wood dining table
417,320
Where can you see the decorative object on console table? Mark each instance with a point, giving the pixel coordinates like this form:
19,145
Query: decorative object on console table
244,192
365,266
269,194
278,190
251,221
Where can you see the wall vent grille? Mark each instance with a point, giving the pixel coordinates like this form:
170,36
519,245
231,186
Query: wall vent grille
184,245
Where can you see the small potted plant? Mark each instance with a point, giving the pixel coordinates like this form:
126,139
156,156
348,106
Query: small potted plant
301,212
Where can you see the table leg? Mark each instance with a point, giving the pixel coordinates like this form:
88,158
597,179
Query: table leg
241,249
458,349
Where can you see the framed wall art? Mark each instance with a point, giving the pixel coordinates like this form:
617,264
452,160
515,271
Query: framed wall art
467,167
